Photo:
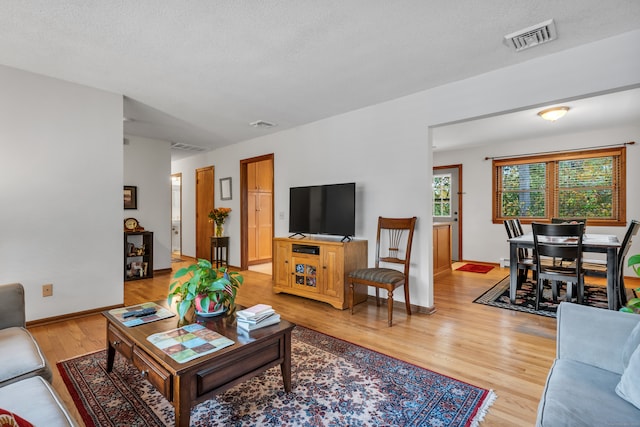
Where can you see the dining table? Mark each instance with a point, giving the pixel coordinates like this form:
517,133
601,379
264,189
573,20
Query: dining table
597,243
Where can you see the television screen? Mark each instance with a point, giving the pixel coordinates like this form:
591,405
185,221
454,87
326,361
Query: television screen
323,209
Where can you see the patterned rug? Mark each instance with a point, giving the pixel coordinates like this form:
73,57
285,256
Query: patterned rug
335,383
498,296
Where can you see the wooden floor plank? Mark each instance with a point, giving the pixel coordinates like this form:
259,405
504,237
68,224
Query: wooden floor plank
503,350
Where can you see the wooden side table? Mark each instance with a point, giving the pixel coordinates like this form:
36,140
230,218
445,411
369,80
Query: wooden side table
218,244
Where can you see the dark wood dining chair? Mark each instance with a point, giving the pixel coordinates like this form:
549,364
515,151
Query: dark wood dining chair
525,260
392,233
559,241
598,268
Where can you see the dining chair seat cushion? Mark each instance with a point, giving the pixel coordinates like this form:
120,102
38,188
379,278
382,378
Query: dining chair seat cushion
380,275
21,357
578,394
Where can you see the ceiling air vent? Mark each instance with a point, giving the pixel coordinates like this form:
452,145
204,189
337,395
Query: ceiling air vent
261,124
186,147
532,36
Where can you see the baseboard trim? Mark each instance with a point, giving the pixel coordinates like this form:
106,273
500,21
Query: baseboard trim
70,316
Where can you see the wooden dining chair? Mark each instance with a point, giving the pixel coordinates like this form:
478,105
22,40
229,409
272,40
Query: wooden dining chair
559,241
598,268
525,261
392,233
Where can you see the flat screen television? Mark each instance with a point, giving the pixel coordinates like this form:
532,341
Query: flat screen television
323,209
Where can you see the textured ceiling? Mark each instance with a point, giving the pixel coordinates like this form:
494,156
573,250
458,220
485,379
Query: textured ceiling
198,72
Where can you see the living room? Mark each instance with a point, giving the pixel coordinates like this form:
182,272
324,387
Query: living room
64,166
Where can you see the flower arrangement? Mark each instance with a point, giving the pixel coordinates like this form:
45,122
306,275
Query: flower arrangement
218,215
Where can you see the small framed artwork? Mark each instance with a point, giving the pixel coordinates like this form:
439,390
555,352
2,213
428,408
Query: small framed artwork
130,197
225,188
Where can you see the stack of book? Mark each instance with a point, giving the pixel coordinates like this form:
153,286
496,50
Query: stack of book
257,317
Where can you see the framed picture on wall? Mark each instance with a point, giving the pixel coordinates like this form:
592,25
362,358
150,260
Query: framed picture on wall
130,197
225,188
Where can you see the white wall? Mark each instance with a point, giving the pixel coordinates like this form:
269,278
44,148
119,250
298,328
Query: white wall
386,150
61,190
147,165
479,235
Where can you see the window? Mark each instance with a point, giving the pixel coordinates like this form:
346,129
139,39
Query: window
589,184
441,195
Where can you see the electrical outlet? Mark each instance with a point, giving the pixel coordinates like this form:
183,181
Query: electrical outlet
47,290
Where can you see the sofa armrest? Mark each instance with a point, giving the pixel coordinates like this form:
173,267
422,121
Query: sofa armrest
594,336
12,306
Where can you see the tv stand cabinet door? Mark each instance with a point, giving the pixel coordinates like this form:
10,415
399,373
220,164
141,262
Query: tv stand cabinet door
332,273
281,264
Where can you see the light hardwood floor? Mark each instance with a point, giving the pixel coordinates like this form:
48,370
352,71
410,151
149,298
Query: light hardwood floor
503,350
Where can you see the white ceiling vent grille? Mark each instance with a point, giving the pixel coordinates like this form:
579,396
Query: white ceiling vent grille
186,147
532,36
261,124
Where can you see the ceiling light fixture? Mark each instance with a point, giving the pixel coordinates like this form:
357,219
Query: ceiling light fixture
554,113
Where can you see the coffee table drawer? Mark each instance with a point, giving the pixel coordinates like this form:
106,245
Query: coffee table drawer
154,373
244,364
119,342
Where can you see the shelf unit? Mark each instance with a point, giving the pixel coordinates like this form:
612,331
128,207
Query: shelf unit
138,255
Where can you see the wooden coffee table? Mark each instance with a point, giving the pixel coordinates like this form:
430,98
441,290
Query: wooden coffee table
187,384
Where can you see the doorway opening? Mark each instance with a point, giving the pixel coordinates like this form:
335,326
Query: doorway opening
176,216
447,203
256,206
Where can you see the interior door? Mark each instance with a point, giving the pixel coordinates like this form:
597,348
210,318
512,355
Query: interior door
205,191
451,202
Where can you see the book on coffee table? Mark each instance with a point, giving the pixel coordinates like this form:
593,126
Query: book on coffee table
250,325
189,342
254,312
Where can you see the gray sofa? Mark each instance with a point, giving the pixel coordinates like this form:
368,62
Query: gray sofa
25,375
581,385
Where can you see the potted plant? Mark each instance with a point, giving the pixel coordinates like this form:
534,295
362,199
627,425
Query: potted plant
206,289
633,305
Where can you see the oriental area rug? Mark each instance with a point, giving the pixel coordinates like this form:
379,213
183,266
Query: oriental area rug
334,383
498,296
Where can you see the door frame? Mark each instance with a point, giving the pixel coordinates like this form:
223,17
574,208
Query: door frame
460,192
244,215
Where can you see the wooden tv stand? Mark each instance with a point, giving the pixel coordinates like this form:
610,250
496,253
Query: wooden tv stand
318,269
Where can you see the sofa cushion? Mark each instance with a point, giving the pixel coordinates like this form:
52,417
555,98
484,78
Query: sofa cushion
21,357
629,387
577,394
633,341
10,419
35,401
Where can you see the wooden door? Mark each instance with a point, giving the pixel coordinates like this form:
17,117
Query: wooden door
205,191
256,204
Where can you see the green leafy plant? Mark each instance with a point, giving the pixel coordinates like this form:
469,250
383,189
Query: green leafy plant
633,305
204,288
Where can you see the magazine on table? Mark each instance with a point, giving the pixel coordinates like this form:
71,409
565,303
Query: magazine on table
140,314
189,342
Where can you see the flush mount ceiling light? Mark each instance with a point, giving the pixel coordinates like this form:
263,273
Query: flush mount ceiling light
554,113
